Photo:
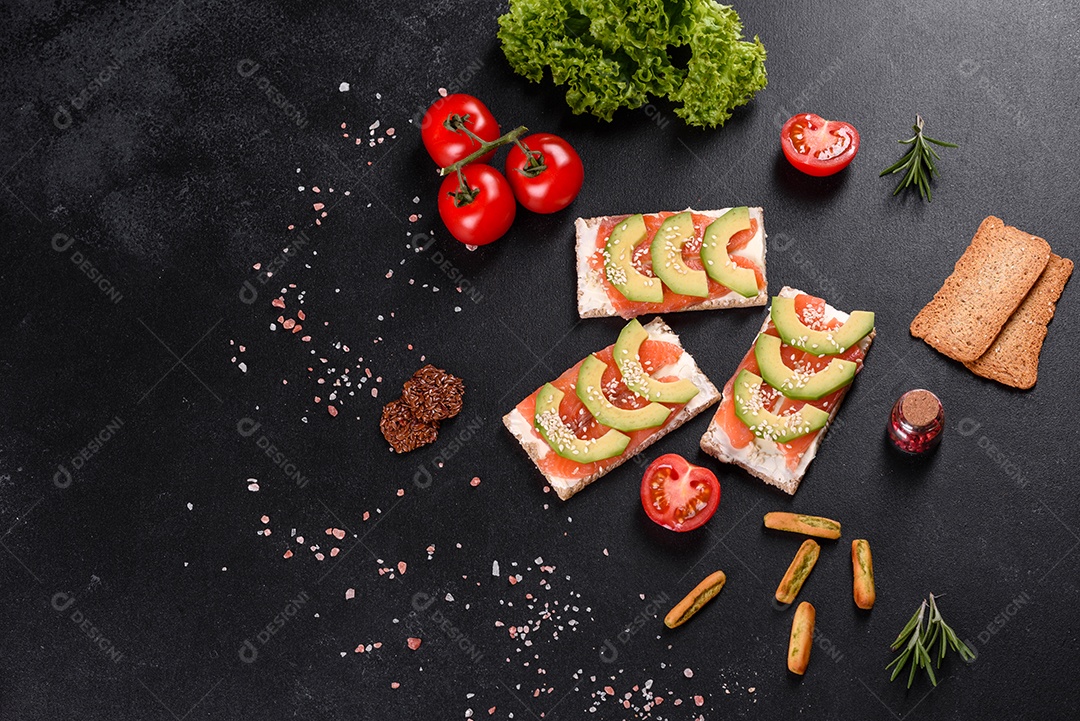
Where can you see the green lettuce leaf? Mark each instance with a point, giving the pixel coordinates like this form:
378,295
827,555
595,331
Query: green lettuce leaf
613,54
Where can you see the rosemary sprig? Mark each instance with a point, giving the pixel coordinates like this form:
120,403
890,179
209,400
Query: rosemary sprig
918,161
926,629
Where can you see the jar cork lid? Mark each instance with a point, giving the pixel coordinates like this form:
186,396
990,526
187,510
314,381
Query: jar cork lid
920,407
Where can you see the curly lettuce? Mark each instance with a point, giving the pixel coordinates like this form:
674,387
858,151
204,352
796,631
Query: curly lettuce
613,54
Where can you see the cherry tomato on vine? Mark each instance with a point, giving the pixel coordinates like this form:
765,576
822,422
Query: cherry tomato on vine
480,213
549,177
817,146
679,495
447,125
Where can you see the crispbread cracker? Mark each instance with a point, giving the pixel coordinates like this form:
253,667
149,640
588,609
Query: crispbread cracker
988,283
1013,359
715,444
535,446
592,297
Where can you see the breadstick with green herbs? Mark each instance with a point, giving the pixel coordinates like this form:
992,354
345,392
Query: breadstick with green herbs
802,638
799,523
702,594
797,572
862,566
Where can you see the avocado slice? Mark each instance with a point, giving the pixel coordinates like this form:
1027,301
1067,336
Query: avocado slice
634,375
714,255
619,263
796,384
667,260
818,342
590,390
563,440
766,424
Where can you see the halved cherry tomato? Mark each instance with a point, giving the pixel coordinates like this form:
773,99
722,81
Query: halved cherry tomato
550,179
817,146
480,213
444,127
679,495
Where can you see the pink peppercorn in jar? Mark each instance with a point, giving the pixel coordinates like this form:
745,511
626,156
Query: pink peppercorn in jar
916,422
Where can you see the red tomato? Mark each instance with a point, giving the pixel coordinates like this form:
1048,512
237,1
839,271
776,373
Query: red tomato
817,146
679,495
447,144
483,212
554,180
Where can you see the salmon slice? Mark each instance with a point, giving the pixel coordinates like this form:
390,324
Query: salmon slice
691,257
740,239
654,355
811,311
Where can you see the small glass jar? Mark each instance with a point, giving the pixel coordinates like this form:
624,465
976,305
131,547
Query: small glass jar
916,422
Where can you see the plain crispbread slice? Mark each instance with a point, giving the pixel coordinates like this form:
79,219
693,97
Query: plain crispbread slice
1013,359
987,285
535,446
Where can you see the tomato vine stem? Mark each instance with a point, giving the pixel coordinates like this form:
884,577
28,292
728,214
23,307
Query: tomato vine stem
534,161
486,147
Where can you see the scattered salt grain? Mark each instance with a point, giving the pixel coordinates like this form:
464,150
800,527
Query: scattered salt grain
344,87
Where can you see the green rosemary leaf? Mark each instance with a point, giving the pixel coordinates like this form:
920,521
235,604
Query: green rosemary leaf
930,672
895,166
942,143
906,633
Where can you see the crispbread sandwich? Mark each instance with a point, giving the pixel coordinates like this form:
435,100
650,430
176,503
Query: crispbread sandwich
610,407
630,265
786,392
